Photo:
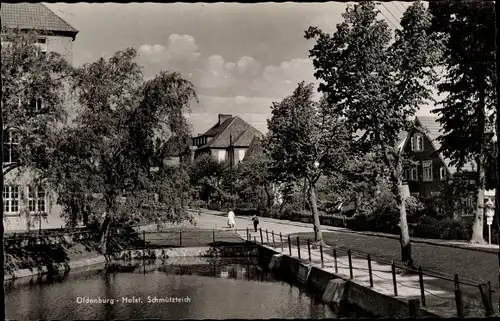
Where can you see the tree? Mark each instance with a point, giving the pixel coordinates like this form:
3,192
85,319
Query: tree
209,178
28,78
304,143
252,180
467,29
378,86
113,142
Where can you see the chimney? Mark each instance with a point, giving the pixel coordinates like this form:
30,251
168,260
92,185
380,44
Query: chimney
223,118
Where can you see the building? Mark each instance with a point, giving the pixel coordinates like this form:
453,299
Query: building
174,152
21,194
431,171
229,137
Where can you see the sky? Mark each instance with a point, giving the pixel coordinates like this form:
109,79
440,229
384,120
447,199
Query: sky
240,57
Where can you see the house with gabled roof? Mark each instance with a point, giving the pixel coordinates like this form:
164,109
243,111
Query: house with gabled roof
54,33
431,170
21,193
229,137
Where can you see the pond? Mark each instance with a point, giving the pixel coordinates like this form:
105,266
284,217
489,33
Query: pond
191,288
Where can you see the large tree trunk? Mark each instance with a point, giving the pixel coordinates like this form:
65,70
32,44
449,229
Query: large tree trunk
318,235
269,199
110,210
478,225
404,236
497,189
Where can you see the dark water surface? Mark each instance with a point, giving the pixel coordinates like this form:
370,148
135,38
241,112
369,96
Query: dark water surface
204,288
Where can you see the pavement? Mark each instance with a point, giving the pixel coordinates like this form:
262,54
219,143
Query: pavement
439,292
448,243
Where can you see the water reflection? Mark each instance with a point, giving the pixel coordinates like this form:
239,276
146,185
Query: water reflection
217,289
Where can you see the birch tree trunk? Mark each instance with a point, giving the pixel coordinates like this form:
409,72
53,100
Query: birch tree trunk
478,225
318,235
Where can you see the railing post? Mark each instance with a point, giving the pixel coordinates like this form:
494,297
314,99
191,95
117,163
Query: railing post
274,244
421,281
281,241
458,298
248,235
144,245
213,236
255,239
180,238
394,278
370,270
261,238
414,308
321,253
267,237
289,245
309,249
335,259
298,246
350,263
485,290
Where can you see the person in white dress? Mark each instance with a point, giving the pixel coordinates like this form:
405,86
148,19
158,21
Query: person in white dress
231,220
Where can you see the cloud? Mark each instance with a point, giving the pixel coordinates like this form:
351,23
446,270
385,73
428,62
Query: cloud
180,54
248,66
214,76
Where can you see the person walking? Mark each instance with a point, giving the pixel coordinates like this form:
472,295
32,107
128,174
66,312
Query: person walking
255,220
231,222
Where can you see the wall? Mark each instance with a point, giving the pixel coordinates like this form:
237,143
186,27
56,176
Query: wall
61,45
19,222
425,188
220,154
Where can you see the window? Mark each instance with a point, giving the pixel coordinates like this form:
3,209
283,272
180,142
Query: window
414,173
406,173
442,173
11,199
35,104
469,202
41,43
417,143
36,199
10,147
427,170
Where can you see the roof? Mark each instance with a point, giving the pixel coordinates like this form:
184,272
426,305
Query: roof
174,146
236,129
33,16
255,148
434,130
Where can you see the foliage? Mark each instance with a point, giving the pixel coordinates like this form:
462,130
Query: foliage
376,85
450,201
209,178
122,121
467,29
27,74
304,143
252,181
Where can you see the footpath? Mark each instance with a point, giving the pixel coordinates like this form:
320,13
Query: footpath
439,291
438,296
447,243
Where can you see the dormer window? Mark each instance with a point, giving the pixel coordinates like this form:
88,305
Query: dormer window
417,143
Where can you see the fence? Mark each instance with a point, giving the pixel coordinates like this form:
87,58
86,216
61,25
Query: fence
436,290
165,238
